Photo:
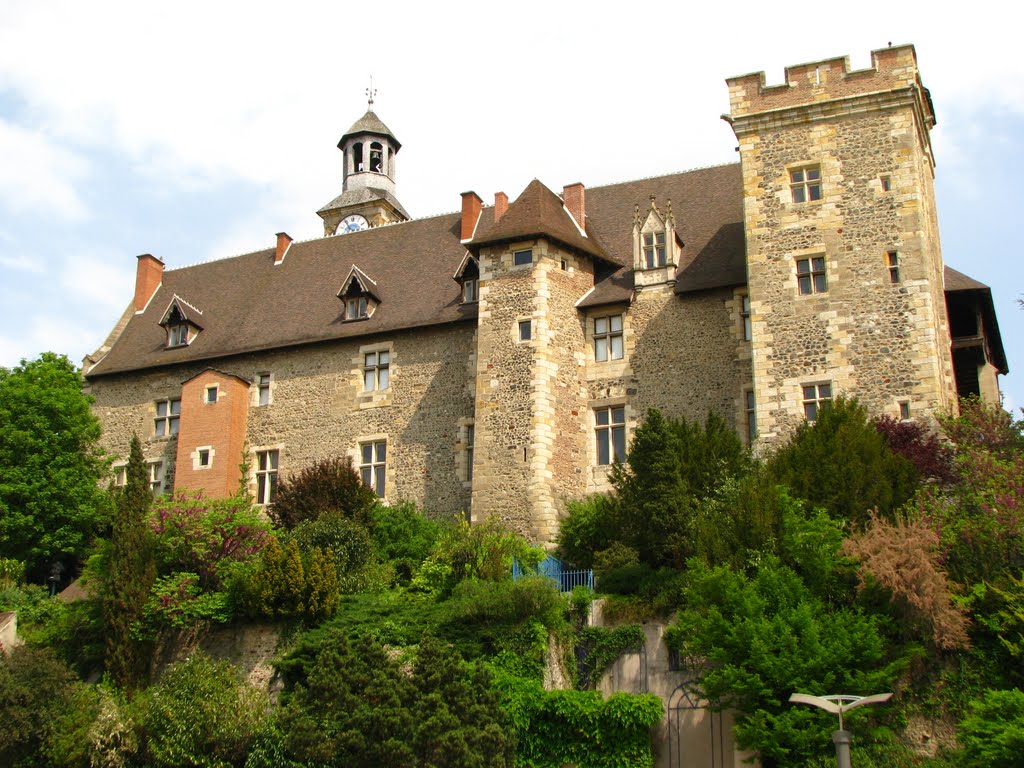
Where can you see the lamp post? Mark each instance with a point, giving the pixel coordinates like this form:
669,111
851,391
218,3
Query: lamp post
838,705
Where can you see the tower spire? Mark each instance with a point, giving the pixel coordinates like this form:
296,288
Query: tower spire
370,93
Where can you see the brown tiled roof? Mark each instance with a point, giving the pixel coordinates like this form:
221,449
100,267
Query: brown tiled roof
370,123
958,281
963,286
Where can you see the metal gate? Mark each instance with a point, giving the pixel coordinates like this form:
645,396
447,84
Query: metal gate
696,737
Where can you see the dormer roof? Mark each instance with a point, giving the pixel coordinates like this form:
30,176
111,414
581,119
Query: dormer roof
180,310
365,285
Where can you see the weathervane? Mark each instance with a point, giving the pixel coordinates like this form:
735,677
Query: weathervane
370,93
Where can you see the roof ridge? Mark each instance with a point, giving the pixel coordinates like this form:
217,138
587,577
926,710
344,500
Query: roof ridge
664,175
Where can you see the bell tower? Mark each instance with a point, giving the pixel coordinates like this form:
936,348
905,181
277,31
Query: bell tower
368,198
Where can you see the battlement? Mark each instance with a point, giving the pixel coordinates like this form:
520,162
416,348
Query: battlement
892,69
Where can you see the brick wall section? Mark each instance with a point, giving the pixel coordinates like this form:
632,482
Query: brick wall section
219,427
869,338
319,410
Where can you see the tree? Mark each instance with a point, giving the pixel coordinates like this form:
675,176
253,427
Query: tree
51,505
329,485
130,573
993,734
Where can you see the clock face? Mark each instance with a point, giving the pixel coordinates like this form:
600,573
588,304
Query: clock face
352,223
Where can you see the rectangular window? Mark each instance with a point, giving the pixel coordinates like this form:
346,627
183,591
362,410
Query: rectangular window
120,475
654,250
210,397
376,371
892,260
167,414
355,308
886,182
519,258
805,184
177,335
748,331
263,389
751,412
470,291
904,410
203,457
266,475
810,275
470,444
525,330
156,477
373,465
611,434
608,338
816,397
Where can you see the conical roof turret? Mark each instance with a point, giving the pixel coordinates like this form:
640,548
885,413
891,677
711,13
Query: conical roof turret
370,123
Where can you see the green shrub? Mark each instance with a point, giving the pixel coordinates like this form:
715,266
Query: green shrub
347,539
285,583
993,733
403,535
328,485
589,527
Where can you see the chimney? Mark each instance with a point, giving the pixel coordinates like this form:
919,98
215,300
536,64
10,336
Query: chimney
149,273
283,242
471,203
500,204
575,200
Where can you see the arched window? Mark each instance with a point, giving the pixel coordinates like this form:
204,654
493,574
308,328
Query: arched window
357,156
377,157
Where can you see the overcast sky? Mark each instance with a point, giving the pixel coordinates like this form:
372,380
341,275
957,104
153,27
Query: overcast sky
196,130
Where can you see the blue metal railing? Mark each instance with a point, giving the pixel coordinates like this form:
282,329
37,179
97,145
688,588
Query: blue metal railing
554,569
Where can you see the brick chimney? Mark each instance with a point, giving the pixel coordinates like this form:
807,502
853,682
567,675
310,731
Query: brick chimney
471,204
500,204
149,273
575,200
284,240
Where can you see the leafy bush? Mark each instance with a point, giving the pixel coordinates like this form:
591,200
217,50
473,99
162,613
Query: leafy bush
199,714
993,734
589,527
403,535
924,448
285,583
328,485
73,631
600,647
348,540
843,464
179,601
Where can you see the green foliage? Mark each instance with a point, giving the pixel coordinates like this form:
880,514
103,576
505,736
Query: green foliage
11,572
46,712
285,583
602,647
179,601
199,714
588,528
993,733
403,535
558,728
51,505
347,539
196,534
841,462
130,572
765,636
329,485
73,631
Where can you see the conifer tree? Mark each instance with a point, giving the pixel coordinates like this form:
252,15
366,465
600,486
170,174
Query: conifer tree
131,571
293,584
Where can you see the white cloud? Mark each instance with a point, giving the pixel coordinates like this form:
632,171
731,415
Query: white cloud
39,175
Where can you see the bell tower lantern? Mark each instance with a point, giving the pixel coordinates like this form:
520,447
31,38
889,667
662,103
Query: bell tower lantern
367,198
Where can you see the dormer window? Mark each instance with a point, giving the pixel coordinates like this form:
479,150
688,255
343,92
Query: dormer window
358,294
470,291
656,245
181,322
468,276
654,250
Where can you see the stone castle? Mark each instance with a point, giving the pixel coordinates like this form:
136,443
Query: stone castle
496,360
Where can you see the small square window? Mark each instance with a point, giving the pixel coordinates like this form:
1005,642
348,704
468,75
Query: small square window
266,475
654,250
373,465
886,182
816,397
745,318
525,330
608,338
376,370
263,389
470,291
810,275
892,260
805,184
203,457
210,396
519,258
167,414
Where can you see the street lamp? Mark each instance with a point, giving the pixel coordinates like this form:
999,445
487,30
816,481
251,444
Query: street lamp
838,705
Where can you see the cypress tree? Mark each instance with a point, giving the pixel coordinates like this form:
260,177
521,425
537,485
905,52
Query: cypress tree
131,571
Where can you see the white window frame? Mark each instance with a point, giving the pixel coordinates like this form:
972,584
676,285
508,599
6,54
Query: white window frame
470,290
815,395
655,250
357,308
120,474
155,469
201,453
811,275
609,338
266,467
805,184
609,424
376,370
372,463
178,335
166,424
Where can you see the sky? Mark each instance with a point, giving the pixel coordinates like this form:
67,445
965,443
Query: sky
197,130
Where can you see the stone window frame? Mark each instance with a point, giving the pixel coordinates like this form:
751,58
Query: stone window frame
156,473
211,393
885,182
202,457
893,262
814,396
120,472
746,315
374,467
263,384
610,428
903,408
519,260
816,268
608,335
465,447
372,398
264,494
376,370
802,190
654,249
523,324
168,423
